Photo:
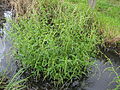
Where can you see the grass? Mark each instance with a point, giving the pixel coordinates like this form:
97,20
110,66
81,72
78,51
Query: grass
108,15
57,41
13,83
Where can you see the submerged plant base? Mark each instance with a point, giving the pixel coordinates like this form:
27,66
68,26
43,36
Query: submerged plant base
85,82
3,82
35,82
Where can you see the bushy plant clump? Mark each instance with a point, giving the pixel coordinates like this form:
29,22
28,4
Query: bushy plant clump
57,41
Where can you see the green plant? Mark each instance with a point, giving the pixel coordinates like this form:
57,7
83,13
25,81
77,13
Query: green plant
56,41
13,83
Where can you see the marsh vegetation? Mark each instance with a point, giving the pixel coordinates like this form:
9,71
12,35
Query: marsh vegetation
56,40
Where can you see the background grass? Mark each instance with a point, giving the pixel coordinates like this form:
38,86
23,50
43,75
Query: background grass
108,15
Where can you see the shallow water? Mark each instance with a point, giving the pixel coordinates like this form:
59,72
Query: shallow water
6,59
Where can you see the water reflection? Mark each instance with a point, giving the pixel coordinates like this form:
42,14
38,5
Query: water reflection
6,59
101,78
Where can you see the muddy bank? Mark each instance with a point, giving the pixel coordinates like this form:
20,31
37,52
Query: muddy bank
111,47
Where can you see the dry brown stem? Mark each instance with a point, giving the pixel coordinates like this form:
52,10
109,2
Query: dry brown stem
23,7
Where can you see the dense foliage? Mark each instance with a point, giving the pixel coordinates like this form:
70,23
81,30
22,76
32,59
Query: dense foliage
57,41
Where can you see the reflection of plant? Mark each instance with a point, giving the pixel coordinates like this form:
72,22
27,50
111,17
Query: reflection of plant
13,83
113,70
1,34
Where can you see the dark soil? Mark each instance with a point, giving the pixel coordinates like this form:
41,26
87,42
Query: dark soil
4,6
112,48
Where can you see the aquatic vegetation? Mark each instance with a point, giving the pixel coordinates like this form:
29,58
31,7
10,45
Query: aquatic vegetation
57,41
57,38
14,83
